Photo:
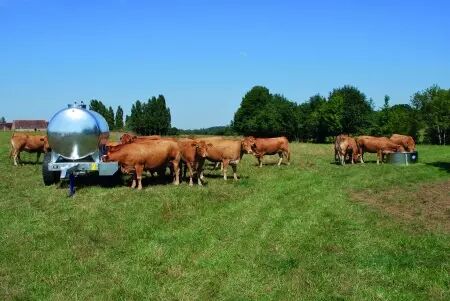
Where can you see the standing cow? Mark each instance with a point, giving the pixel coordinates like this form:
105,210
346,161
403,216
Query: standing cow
268,146
225,151
150,155
27,143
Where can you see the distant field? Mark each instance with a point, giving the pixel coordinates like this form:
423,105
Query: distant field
312,230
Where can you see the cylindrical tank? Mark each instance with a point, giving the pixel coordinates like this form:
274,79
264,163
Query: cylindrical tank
75,132
402,158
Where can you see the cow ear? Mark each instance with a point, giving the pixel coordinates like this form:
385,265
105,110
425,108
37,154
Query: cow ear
42,139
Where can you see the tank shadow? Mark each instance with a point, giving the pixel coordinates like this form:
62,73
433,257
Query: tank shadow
445,166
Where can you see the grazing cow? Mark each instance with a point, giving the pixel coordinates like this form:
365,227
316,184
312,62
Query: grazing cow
228,152
149,155
347,146
406,141
337,143
268,146
127,138
28,143
378,145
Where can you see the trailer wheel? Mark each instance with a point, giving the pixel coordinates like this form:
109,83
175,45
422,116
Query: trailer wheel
49,177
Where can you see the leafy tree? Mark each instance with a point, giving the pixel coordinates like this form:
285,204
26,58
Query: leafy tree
2,120
263,114
119,118
356,109
434,107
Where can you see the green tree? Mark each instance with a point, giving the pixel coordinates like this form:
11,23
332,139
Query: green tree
99,107
119,118
151,117
434,107
2,120
110,118
263,114
356,109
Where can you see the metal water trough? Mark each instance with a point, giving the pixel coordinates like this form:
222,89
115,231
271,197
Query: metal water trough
404,158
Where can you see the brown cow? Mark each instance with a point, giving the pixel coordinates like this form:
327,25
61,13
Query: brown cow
228,152
268,146
28,143
378,145
148,155
127,138
347,146
337,143
192,152
406,141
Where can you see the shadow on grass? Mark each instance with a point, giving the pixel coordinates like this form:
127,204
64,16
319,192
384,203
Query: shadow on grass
445,166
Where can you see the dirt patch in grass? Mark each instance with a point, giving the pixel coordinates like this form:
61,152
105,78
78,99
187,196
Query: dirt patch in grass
427,205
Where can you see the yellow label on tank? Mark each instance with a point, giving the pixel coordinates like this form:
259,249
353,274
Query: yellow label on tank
94,166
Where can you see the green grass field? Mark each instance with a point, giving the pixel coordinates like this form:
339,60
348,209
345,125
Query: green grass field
309,231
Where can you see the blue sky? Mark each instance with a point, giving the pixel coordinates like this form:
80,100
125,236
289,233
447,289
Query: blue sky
203,56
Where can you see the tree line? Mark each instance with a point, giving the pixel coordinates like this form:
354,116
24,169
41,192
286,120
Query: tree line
319,119
146,118
345,110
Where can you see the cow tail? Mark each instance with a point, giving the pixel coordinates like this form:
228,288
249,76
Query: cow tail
11,150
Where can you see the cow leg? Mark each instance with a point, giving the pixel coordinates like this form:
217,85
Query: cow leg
378,157
225,167
259,161
234,166
15,157
191,173
281,158
177,173
139,170
133,184
38,155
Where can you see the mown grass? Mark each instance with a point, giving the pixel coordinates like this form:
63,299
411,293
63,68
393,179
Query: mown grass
284,233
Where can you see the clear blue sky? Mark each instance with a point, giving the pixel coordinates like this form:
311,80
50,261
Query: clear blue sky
204,55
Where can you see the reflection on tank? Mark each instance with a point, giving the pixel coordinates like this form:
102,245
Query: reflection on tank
75,132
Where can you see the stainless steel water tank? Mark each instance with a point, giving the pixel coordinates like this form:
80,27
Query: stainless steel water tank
403,158
75,132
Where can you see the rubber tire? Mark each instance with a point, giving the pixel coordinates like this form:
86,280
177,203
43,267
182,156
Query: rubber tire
49,177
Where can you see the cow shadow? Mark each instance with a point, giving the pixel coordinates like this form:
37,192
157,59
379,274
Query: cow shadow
445,166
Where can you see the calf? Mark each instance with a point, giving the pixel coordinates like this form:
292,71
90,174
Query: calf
28,143
337,143
378,145
268,146
148,155
406,141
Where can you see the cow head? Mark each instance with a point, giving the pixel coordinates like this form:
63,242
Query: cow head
411,145
201,148
248,144
127,138
400,148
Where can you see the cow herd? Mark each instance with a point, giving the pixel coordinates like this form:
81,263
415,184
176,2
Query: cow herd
137,154
351,149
